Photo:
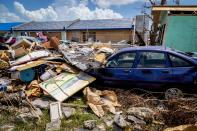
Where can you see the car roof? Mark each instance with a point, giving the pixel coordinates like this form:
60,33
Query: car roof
155,48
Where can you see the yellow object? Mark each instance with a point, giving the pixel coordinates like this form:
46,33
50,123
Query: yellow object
100,57
3,64
33,89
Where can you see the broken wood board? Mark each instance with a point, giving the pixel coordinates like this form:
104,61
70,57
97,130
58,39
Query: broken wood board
30,65
22,43
65,85
30,57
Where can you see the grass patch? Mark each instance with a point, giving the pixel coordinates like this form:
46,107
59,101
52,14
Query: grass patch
78,101
75,121
78,118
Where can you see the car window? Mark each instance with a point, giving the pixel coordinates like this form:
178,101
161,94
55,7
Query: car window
152,60
124,60
179,62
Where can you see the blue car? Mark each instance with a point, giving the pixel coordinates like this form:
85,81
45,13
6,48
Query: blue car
148,66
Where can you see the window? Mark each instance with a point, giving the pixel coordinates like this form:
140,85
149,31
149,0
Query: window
152,60
89,36
75,36
179,62
124,60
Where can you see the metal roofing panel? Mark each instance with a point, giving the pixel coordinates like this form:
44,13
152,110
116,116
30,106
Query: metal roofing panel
39,26
102,24
8,26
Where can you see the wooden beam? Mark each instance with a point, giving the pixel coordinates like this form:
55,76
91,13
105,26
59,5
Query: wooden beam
174,8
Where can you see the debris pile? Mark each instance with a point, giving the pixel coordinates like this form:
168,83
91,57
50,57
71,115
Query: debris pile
49,67
30,69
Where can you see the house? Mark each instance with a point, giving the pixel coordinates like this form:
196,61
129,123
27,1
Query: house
49,28
177,26
105,30
7,27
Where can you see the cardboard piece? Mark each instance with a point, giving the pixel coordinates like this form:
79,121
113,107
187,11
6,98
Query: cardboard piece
52,44
21,51
33,89
99,101
22,43
65,85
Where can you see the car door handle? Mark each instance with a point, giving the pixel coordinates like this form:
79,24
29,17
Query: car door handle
165,71
146,71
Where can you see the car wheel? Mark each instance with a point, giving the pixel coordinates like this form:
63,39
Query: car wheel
173,93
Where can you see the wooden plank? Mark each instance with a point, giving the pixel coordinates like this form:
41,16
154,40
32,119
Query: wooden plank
30,65
174,8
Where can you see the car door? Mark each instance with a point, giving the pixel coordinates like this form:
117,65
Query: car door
152,68
119,67
182,69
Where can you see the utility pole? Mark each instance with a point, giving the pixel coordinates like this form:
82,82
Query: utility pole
163,2
134,20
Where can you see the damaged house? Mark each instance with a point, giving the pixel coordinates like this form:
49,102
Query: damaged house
105,30
113,30
49,28
177,26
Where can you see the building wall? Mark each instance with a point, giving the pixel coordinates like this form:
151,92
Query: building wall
48,34
181,33
33,34
103,35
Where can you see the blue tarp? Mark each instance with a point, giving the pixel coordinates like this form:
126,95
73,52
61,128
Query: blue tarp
8,26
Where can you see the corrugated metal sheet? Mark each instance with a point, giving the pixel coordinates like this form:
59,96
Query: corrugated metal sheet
76,25
8,26
102,24
41,26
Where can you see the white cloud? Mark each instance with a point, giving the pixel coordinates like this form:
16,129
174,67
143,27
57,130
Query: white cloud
39,15
6,15
59,10
108,3
83,12
66,10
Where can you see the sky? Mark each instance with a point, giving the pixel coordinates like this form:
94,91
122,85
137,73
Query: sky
65,10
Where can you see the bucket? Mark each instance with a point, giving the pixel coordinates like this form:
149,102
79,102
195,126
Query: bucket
24,75
47,75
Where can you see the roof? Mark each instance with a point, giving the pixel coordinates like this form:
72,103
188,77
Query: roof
76,25
101,24
175,8
8,26
42,26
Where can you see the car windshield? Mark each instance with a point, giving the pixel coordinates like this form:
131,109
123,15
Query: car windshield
188,54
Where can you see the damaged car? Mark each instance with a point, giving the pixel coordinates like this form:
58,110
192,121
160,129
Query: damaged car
148,66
